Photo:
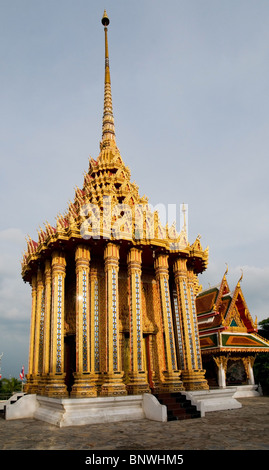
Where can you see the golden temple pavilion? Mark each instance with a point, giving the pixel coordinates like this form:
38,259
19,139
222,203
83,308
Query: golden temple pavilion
113,290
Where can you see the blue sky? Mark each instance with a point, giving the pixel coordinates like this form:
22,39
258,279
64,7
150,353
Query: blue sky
190,97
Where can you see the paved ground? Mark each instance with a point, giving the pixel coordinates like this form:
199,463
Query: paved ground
246,428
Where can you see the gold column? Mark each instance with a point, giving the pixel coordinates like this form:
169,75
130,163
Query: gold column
47,321
192,374
29,388
137,376
95,329
84,385
172,382
113,384
153,372
38,342
55,385
180,345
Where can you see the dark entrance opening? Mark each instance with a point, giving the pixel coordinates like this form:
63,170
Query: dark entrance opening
211,374
70,360
236,374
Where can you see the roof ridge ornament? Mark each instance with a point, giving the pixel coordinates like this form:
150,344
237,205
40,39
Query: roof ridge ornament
241,277
226,272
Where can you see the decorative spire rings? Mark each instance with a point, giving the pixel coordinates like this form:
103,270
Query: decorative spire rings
108,129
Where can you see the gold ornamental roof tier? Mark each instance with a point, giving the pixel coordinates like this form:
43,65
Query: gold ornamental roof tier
109,207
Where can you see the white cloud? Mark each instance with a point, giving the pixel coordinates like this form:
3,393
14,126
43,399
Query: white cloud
14,294
15,299
13,235
15,303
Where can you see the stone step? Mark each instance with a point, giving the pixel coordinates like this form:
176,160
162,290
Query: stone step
178,407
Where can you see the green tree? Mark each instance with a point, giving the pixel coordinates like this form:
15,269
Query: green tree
10,386
261,365
264,331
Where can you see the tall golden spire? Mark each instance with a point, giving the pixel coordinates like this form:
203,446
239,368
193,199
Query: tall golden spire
108,129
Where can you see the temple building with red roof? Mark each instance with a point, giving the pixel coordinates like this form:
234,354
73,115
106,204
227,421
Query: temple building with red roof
229,337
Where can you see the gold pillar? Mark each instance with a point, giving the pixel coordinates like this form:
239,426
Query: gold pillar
84,385
180,345
38,339
40,333
172,382
113,384
29,386
192,373
153,372
55,385
46,329
95,329
137,383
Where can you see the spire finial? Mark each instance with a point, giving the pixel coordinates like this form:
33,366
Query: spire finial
105,19
184,217
108,130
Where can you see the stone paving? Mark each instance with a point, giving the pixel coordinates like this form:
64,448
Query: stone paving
246,428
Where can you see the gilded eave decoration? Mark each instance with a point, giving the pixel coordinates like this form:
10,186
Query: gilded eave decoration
107,192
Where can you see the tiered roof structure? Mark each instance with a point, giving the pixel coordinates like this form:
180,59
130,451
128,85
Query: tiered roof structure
113,290
225,322
109,205
116,290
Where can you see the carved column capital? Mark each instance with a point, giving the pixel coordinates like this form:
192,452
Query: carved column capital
111,256
161,265
134,259
180,268
58,263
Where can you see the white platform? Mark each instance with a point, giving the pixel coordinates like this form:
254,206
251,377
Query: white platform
246,391
79,411
214,399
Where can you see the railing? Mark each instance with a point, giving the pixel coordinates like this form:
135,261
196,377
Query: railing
5,396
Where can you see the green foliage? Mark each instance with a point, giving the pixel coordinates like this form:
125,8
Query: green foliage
10,386
261,365
264,331
261,371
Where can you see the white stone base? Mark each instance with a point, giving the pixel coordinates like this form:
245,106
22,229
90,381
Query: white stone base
79,411
16,396
23,408
153,409
246,391
213,400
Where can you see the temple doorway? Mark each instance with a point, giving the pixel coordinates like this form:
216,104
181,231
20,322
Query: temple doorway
70,360
211,374
236,374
